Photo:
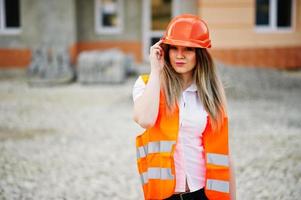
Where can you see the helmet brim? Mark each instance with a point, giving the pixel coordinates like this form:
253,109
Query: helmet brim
186,43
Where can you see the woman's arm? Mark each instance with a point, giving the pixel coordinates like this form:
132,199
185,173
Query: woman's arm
146,106
232,180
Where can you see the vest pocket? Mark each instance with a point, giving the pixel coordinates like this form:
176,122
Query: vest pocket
155,165
217,184
157,175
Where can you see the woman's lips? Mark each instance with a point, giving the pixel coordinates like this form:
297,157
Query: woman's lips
180,62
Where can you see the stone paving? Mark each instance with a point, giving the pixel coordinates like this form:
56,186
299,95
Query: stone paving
77,142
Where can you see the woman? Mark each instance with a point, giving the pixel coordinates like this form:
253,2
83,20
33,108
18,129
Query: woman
183,153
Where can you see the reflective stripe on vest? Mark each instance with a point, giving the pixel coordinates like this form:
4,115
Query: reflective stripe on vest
154,147
156,173
217,185
217,159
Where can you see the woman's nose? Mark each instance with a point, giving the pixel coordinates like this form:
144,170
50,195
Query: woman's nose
180,53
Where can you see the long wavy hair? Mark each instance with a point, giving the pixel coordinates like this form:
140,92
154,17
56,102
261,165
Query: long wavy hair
209,87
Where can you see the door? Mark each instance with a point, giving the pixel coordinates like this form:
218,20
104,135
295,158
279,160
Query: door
156,16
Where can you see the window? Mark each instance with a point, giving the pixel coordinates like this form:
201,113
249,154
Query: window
9,16
284,13
262,12
274,15
109,16
161,14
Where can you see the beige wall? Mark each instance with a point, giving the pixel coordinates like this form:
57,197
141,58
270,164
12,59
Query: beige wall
232,25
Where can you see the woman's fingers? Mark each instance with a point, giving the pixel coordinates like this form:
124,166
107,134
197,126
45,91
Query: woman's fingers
157,49
158,53
159,42
157,45
156,56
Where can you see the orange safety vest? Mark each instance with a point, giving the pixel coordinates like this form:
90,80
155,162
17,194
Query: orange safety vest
155,149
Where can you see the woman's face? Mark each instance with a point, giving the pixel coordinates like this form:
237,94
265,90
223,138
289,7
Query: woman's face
182,59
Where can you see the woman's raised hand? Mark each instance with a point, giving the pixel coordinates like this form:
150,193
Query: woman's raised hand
156,57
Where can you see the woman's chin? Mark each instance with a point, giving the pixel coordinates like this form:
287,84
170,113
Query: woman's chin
181,71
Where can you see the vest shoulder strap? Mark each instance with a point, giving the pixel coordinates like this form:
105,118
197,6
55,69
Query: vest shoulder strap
145,78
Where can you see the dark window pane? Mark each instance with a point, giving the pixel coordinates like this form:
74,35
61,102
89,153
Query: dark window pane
154,40
12,13
284,12
262,12
109,12
109,20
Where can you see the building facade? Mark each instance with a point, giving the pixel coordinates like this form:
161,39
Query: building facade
255,32
244,32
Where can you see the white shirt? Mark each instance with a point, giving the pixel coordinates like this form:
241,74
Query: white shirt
189,152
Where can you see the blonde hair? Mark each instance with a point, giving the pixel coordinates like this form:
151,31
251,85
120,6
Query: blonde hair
209,86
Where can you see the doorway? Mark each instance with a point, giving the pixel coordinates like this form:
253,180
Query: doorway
156,15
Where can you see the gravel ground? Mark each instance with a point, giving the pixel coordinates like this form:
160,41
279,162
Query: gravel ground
77,142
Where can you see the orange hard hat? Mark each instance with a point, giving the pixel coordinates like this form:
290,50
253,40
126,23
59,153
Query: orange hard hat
187,30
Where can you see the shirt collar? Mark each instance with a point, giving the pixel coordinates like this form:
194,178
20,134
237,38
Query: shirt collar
192,88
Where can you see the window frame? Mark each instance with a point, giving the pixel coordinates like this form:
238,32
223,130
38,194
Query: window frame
272,26
99,28
3,29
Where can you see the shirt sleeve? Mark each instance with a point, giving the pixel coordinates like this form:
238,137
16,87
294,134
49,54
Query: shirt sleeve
138,88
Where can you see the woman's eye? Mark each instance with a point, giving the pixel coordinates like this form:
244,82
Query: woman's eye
189,49
172,47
